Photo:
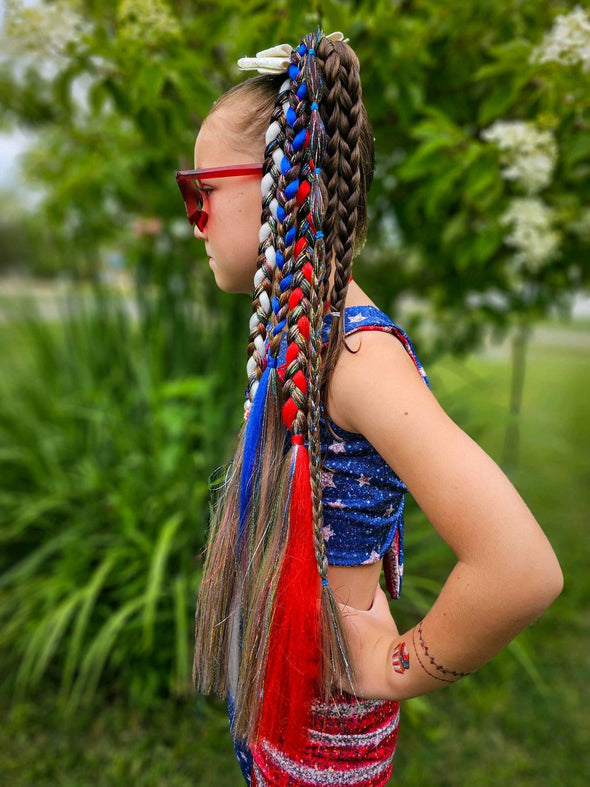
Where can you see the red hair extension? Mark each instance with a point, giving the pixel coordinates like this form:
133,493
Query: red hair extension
293,668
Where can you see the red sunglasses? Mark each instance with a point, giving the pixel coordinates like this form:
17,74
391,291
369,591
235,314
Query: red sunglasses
192,194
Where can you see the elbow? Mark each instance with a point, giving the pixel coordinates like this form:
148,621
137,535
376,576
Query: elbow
553,582
540,586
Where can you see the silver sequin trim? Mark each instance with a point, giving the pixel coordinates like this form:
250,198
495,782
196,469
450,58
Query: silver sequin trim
372,738
260,780
357,775
357,708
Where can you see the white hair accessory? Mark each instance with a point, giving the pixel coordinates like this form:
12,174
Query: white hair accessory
277,59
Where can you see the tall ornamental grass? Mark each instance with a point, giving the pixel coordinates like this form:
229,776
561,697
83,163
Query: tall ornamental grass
109,426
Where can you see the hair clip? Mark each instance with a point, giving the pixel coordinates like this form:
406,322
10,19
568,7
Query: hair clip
277,59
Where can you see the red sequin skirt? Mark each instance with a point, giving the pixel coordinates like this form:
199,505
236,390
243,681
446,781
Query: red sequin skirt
351,742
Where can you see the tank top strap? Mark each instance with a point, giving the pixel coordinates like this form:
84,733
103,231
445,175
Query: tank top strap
370,318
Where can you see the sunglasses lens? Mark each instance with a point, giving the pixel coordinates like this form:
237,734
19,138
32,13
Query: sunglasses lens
200,219
193,201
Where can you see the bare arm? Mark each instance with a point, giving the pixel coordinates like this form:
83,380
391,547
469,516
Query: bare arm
506,572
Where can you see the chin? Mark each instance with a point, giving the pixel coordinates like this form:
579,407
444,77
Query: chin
232,288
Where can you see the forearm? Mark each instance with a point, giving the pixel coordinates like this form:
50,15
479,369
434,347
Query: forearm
475,616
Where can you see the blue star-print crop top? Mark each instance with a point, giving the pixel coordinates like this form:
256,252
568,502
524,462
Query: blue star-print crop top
363,497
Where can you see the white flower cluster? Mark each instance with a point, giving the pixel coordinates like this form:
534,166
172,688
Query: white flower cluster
568,41
42,31
529,155
532,235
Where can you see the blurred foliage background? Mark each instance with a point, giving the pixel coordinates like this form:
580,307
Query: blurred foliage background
118,392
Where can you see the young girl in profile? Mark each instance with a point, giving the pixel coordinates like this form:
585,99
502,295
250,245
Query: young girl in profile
292,625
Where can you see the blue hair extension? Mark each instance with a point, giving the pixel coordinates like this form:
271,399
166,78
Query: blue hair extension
251,444
291,189
299,140
302,91
291,117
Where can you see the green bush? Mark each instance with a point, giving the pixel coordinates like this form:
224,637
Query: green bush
106,444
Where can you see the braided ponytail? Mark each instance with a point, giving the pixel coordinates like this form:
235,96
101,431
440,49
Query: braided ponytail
259,636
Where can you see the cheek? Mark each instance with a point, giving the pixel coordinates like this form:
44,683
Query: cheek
247,216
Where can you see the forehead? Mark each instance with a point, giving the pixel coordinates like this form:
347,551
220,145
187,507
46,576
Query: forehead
220,142
211,144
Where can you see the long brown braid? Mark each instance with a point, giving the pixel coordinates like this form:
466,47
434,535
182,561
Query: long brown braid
348,172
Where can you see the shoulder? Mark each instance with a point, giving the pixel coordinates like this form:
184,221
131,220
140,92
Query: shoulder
376,371
377,364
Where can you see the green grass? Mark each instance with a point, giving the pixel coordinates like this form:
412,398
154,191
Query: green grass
510,724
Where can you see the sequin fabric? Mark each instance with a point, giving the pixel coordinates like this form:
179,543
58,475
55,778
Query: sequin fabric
363,497
351,742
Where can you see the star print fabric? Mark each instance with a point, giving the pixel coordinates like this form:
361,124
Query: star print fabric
363,497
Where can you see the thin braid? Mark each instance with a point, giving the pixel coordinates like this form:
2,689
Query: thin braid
342,109
266,266
299,253
286,229
345,223
312,209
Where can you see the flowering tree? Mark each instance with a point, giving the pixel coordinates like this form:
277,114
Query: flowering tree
481,203
489,175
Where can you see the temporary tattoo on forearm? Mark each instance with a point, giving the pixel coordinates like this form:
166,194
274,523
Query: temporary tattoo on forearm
400,659
440,672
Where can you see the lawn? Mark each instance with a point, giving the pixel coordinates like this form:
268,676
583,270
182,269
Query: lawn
520,721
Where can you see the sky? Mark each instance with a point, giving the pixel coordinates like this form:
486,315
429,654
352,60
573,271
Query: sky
11,144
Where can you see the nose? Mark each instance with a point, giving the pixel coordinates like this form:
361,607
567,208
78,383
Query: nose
199,235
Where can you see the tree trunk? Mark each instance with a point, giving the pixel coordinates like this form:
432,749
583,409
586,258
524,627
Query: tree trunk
512,436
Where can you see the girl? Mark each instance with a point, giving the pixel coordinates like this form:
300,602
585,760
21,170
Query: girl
291,623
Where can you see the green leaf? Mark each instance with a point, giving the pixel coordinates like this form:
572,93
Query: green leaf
118,94
182,649
97,96
577,149
100,650
43,643
518,649
90,594
455,228
154,584
427,158
511,56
